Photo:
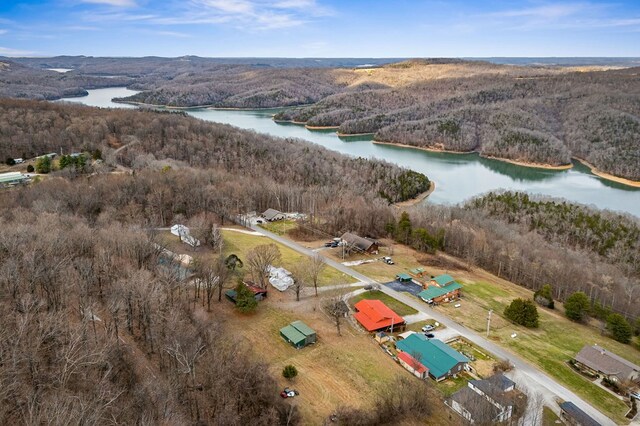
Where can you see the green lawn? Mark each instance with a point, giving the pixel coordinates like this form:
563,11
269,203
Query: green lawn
556,340
240,244
279,227
398,307
549,418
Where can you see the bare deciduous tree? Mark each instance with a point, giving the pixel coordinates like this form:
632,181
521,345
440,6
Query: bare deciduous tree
258,261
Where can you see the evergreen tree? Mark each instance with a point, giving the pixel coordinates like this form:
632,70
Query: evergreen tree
619,328
577,306
289,371
544,296
403,230
43,165
523,312
245,300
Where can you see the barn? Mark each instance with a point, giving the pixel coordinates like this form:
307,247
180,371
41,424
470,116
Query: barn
272,215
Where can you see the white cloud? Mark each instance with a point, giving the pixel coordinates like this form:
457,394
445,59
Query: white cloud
3,31
6,51
116,3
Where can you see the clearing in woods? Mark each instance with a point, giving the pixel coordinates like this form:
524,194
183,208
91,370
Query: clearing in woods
336,371
556,340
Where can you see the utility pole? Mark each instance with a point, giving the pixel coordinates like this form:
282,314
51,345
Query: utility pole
489,321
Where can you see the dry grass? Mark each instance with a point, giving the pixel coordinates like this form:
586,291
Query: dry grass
337,370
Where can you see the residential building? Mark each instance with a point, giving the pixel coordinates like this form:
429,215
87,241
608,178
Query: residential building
374,315
363,245
272,215
487,401
600,361
440,289
440,360
574,416
12,179
298,334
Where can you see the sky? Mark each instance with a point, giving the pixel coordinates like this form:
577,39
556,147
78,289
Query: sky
320,28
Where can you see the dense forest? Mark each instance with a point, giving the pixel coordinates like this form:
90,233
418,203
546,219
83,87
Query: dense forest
94,330
531,114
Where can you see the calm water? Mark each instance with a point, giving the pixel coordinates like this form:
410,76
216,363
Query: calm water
458,177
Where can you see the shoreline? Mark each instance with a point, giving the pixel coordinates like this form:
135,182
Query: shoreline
320,127
417,200
423,148
212,107
353,135
531,165
607,176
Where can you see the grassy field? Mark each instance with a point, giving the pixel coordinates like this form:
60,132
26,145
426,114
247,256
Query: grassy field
279,227
345,370
556,340
241,243
398,307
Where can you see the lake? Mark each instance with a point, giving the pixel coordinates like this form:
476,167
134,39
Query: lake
458,177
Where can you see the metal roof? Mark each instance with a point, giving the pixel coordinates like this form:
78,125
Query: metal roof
434,354
303,328
12,177
443,280
292,335
433,291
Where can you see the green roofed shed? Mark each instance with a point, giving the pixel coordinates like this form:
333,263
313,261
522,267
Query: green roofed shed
308,332
417,271
293,336
403,277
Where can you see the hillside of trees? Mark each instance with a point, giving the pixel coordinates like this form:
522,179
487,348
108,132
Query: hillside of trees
532,114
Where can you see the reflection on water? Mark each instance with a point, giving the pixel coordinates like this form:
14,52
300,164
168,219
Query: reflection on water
458,177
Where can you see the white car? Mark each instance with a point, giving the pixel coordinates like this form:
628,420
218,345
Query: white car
428,327
635,395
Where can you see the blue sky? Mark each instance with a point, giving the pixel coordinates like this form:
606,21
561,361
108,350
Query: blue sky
320,28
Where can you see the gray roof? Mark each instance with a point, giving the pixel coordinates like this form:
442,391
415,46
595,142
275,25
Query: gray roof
478,406
496,387
269,214
361,243
599,359
582,418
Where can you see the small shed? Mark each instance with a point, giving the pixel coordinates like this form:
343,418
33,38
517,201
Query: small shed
293,336
309,333
272,215
404,278
298,334
417,272
381,337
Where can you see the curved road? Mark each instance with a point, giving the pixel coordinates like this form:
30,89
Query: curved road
523,368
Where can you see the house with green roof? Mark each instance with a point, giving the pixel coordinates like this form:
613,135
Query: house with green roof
442,280
440,360
298,334
434,294
404,278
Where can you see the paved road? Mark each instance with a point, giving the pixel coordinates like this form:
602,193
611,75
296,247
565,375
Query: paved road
523,368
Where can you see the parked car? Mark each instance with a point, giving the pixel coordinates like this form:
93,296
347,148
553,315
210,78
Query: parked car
368,287
335,244
635,395
388,260
328,244
428,327
259,221
289,393
429,335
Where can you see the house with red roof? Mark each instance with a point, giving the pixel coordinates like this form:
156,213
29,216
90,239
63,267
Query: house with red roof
374,315
413,365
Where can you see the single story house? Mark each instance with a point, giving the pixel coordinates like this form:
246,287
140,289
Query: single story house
412,365
600,361
437,357
12,178
433,294
374,315
272,215
298,334
574,416
364,245
404,278
485,401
